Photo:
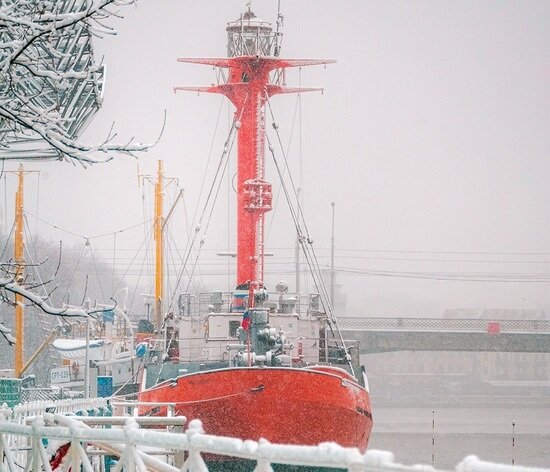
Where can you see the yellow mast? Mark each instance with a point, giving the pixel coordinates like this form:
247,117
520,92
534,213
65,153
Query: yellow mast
159,224
19,261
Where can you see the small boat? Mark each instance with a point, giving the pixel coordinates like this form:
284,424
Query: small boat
110,354
75,349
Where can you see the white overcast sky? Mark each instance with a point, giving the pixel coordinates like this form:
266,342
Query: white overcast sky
432,137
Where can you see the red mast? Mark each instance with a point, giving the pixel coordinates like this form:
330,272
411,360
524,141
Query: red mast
253,48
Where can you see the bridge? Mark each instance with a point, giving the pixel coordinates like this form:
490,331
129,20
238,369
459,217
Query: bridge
376,335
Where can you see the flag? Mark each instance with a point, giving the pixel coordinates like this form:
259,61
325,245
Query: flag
246,320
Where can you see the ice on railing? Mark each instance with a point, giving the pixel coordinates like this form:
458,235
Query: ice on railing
473,464
19,413
133,444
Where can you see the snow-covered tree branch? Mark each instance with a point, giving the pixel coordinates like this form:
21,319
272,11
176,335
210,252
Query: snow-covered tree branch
44,288
50,84
6,333
11,286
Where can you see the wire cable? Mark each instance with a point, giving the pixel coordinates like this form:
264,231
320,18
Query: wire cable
209,204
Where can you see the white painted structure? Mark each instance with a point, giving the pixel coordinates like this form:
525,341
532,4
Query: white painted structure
30,438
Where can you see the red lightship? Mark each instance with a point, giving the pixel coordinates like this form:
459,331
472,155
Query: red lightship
247,366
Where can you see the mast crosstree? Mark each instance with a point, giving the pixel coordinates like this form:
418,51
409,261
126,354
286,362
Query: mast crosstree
253,49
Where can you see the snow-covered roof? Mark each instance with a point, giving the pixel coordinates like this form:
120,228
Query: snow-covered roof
76,348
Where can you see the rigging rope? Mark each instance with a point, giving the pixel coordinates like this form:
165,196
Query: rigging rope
37,208
114,260
8,239
74,273
33,264
275,205
301,227
294,189
88,238
180,256
209,158
208,205
89,244
145,242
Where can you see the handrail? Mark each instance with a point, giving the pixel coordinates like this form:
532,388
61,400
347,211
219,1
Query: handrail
128,442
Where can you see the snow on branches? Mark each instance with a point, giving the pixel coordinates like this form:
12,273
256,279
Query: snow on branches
50,84
6,333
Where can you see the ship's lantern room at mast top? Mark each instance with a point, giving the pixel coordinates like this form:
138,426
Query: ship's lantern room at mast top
250,36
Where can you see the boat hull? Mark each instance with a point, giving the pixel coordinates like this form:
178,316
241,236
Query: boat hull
282,405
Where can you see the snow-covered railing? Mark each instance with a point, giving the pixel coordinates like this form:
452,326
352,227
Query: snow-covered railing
20,415
21,412
131,408
55,442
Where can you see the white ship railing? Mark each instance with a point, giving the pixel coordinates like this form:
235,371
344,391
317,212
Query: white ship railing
31,447
37,408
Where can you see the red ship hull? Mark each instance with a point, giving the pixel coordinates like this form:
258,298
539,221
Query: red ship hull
282,405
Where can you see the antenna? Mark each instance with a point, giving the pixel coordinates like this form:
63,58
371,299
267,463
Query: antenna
278,34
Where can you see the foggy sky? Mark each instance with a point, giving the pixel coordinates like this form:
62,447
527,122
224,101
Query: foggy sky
432,138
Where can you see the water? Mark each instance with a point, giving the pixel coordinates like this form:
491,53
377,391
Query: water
483,431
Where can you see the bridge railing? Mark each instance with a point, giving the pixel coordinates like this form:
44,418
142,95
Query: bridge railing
442,324
55,442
